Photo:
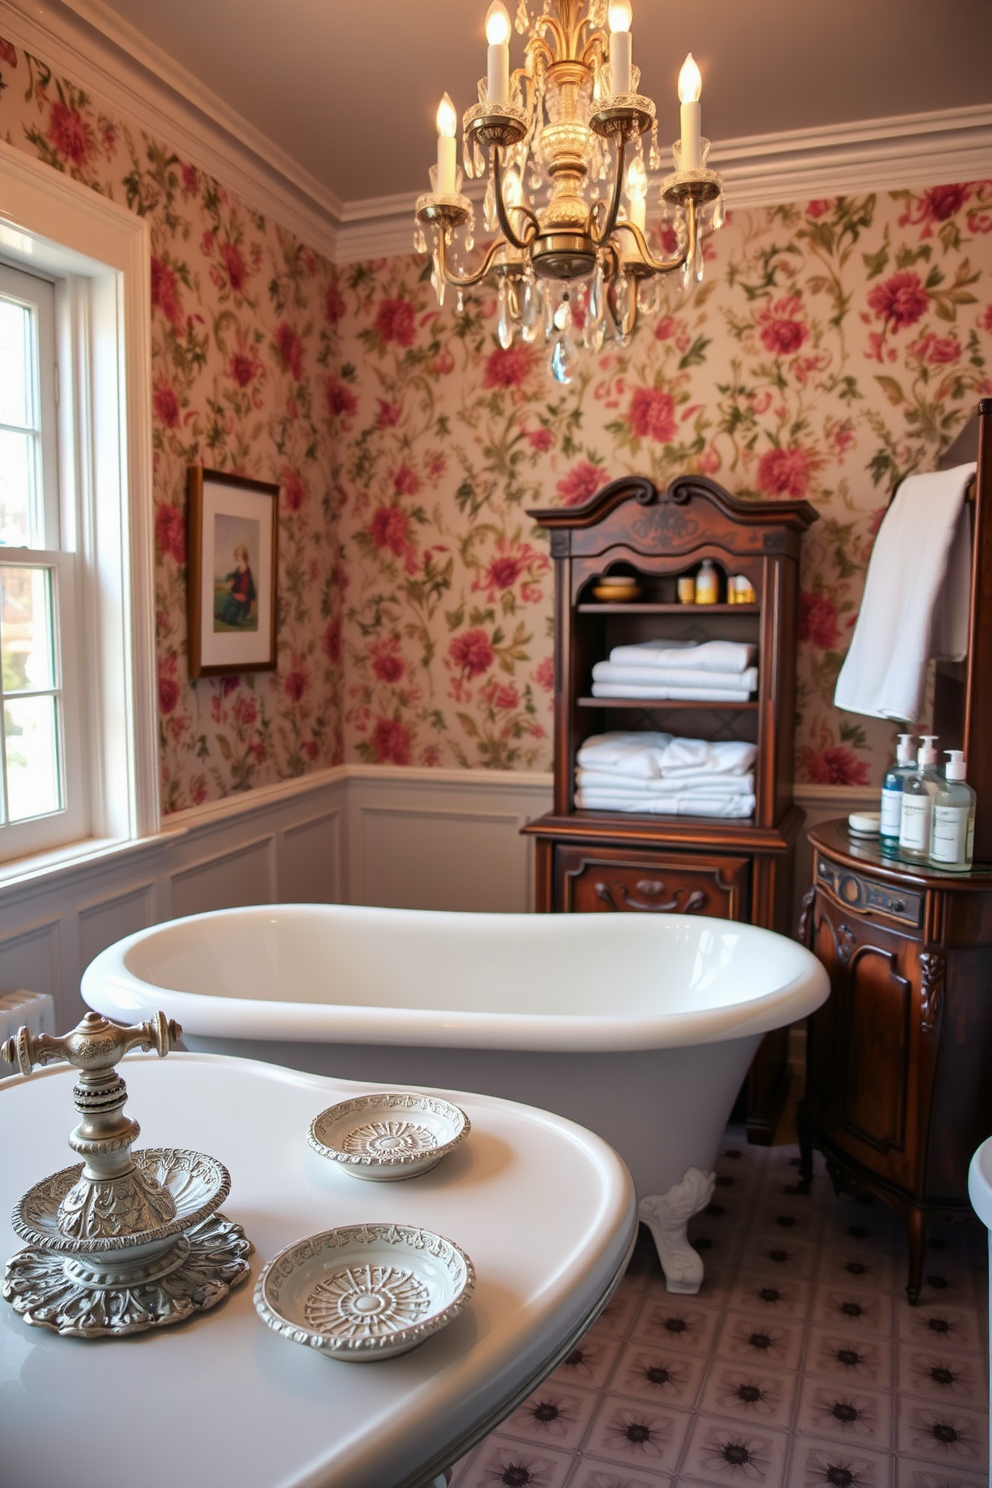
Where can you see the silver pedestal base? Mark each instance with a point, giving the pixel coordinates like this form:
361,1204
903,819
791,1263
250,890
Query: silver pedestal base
105,1296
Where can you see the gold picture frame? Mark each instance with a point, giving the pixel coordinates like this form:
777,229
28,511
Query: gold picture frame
232,544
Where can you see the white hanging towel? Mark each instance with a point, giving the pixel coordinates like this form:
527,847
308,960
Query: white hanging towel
916,597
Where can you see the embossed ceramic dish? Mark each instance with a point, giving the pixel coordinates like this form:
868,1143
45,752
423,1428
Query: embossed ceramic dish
365,1291
389,1135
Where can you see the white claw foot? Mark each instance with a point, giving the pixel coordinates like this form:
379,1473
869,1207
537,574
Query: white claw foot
666,1216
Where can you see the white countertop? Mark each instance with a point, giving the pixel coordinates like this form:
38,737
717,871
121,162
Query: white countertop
545,1210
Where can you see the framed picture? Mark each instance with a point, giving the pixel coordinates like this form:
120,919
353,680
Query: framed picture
231,551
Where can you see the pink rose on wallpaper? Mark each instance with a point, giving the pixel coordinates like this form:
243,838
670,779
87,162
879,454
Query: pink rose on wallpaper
8,52
666,328
290,349
709,462
170,531
784,472
166,405
244,367
191,179
507,368
501,696
502,573
941,202
69,133
985,320
340,399
472,653
391,741
234,265
296,684
581,482
390,529
833,766
900,300
943,349
165,293
543,439
245,711
668,240
332,640
333,304
436,466
818,621
818,208
168,687
405,481
387,664
294,490
389,414
544,673
652,414
779,327
395,321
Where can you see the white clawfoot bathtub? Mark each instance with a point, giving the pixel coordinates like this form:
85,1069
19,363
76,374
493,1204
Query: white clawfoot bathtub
640,1028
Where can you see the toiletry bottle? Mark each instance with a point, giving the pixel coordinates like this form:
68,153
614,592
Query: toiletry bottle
892,785
706,583
952,838
917,804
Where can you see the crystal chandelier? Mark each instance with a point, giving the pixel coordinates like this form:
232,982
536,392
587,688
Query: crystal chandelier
562,142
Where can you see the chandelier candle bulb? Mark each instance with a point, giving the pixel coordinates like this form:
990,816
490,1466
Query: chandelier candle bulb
498,37
690,88
620,45
447,124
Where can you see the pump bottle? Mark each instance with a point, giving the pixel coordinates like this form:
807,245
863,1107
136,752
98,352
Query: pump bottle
917,804
892,786
952,838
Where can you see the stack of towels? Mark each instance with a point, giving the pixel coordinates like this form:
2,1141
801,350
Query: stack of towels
708,672
665,776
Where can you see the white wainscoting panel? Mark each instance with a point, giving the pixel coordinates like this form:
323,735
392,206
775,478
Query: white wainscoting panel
105,921
311,861
243,875
29,958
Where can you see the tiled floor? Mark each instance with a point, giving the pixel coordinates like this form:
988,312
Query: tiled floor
800,1363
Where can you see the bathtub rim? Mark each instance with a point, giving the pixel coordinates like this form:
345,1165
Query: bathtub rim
109,987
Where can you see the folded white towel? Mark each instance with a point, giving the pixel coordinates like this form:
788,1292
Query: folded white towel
915,603
700,781
647,676
636,754
671,694
689,804
709,656
726,757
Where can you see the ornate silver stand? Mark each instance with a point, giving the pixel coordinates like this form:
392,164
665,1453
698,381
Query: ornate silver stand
123,1241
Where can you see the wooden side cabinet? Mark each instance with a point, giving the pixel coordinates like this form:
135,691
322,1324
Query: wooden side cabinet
620,862
898,1094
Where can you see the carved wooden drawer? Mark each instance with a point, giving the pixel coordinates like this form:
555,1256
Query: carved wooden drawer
588,879
864,895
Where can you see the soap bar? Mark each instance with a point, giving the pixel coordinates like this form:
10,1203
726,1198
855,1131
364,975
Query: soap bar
865,823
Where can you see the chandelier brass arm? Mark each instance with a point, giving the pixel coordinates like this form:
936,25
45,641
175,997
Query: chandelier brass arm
647,260
504,215
606,232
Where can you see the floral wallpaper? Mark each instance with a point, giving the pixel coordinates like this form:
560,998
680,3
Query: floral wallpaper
244,349
834,346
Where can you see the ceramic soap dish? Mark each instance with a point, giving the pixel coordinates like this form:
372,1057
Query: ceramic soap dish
364,1292
388,1135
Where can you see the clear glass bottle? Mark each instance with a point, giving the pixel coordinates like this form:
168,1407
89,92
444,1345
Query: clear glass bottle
707,585
952,838
917,804
895,779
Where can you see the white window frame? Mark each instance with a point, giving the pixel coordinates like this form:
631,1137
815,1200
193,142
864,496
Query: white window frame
98,255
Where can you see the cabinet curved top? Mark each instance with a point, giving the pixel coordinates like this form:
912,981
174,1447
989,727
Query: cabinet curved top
684,491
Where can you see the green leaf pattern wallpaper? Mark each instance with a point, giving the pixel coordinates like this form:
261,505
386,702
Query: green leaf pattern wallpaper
835,346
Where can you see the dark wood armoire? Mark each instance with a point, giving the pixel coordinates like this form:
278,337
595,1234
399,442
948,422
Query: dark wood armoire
600,861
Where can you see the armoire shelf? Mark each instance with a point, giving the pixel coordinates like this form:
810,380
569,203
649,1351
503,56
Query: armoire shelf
734,868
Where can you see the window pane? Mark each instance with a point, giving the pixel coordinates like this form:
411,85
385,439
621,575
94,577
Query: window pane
30,727
26,628
18,487
16,364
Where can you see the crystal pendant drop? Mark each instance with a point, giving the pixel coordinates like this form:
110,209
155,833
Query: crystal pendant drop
419,241
595,334
560,360
697,261
548,306
597,293
719,213
685,276
460,302
467,156
530,308
563,315
654,155
489,207
504,324
437,277
624,297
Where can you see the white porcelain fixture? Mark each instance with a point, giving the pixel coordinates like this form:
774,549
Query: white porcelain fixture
640,1027
365,1292
389,1135
544,1209
980,1194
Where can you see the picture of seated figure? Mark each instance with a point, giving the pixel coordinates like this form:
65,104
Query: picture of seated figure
235,596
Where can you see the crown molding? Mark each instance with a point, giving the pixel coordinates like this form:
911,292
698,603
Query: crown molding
107,55
102,52
762,170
